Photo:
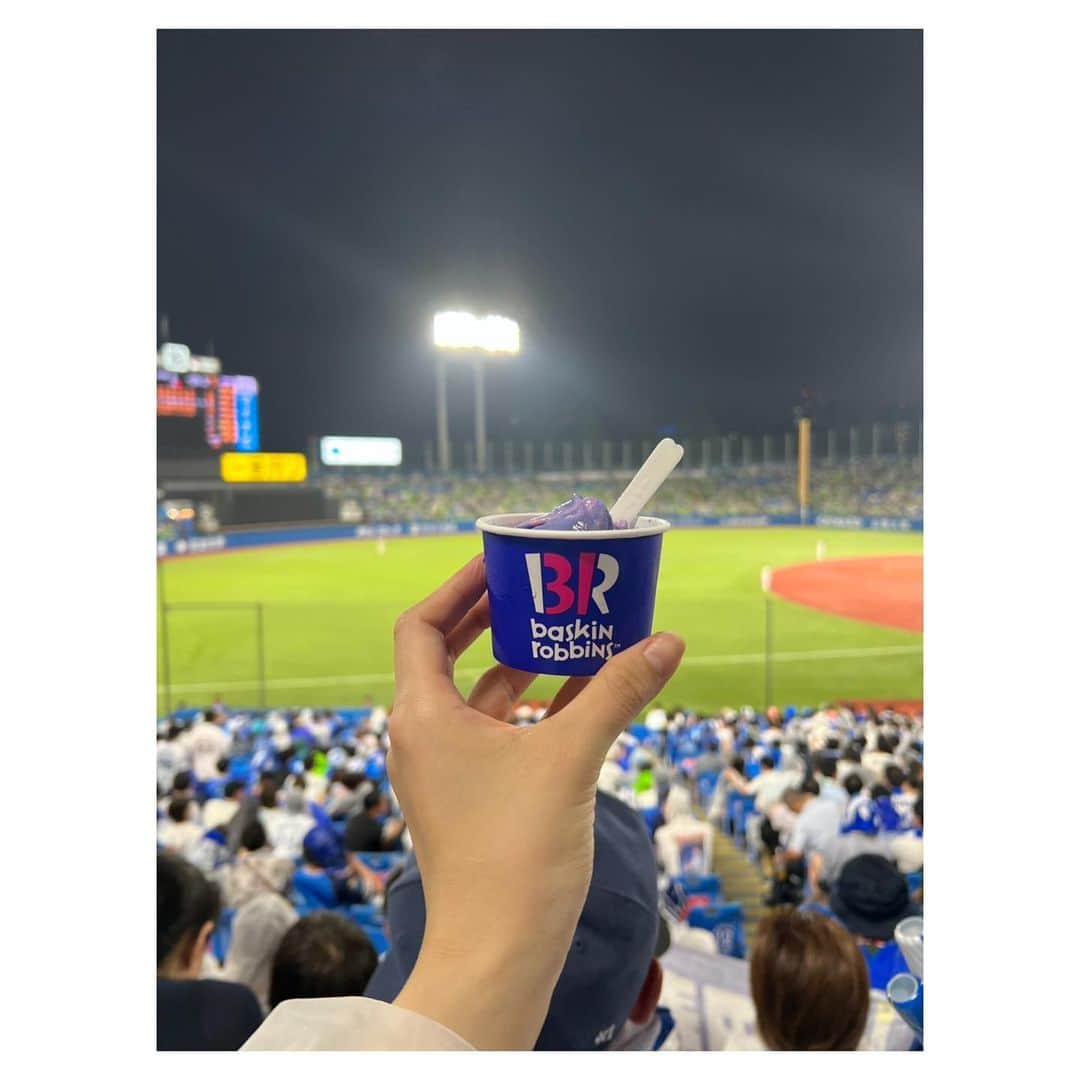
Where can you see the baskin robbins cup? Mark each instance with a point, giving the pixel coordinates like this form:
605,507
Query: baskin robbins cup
564,602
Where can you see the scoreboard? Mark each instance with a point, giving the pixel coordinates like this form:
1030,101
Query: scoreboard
222,409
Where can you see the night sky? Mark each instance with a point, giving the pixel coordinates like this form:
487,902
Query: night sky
690,227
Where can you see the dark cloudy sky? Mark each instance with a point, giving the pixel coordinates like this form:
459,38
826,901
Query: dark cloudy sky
689,226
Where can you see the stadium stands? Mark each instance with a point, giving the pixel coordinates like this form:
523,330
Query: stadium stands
293,786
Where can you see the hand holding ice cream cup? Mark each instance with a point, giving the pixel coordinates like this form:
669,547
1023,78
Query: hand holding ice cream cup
572,588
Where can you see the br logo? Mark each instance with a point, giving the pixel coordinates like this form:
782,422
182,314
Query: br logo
562,592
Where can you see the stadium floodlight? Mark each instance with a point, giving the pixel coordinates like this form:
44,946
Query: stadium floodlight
494,334
461,331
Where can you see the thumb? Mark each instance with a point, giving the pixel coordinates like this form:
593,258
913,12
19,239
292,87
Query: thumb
619,691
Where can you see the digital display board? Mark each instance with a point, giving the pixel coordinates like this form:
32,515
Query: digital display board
355,450
218,411
263,468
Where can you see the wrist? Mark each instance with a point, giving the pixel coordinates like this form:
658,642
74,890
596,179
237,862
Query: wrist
494,994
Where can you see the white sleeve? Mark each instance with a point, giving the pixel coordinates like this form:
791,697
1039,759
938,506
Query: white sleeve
797,842
350,1023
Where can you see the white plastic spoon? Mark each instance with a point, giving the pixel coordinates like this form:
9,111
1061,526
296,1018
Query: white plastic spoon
657,468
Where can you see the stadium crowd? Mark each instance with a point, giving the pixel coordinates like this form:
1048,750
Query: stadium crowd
286,873
885,488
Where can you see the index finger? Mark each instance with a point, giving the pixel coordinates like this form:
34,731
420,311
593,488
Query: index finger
421,658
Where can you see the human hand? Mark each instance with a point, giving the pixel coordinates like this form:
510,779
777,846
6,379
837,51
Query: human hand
501,817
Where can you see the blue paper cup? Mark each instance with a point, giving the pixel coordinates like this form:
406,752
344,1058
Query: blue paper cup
563,602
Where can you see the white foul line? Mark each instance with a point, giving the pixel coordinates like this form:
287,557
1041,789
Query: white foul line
727,660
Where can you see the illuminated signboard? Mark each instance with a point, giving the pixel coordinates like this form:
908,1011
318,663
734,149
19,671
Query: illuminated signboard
263,468
352,450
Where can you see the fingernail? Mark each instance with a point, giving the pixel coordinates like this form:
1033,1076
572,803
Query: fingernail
664,652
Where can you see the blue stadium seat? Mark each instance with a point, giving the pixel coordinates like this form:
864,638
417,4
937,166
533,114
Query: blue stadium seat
381,861
639,731
725,923
914,881
365,914
700,885
706,786
738,807
884,964
378,940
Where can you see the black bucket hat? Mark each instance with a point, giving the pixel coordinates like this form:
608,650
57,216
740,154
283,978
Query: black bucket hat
870,896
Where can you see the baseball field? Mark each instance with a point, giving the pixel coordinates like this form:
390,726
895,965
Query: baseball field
311,624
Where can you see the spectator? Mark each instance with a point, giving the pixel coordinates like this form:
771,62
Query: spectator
347,796
607,994
824,764
181,832
207,743
870,896
171,757
217,813
814,834
368,831
613,777
257,869
323,955
878,758
906,850
194,1013
257,930
287,830
809,983
684,845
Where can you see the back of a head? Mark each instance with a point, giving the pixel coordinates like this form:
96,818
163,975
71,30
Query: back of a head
810,787
186,901
182,781
268,797
894,776
853,784
766,762
322,955
233,787
253,837
809,983
825,764
179,809
372,801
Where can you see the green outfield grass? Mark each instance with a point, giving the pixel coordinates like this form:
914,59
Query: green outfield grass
328,610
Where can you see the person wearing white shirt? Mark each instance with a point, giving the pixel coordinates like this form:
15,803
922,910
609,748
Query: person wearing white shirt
683,843
171,758
217,813
181,831
207,744
285,831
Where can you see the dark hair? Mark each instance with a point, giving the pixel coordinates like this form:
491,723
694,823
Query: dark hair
309,760
208,716
232,787
372,799
186,901
832,743
826,765
182,780
253,836
322,955
853,783
738,764
851,754
878,791
767,762
223,765
809,982
352,780
268,797
917,808
178,808
895,775
810,786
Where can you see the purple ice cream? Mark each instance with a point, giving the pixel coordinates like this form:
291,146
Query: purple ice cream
577,514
